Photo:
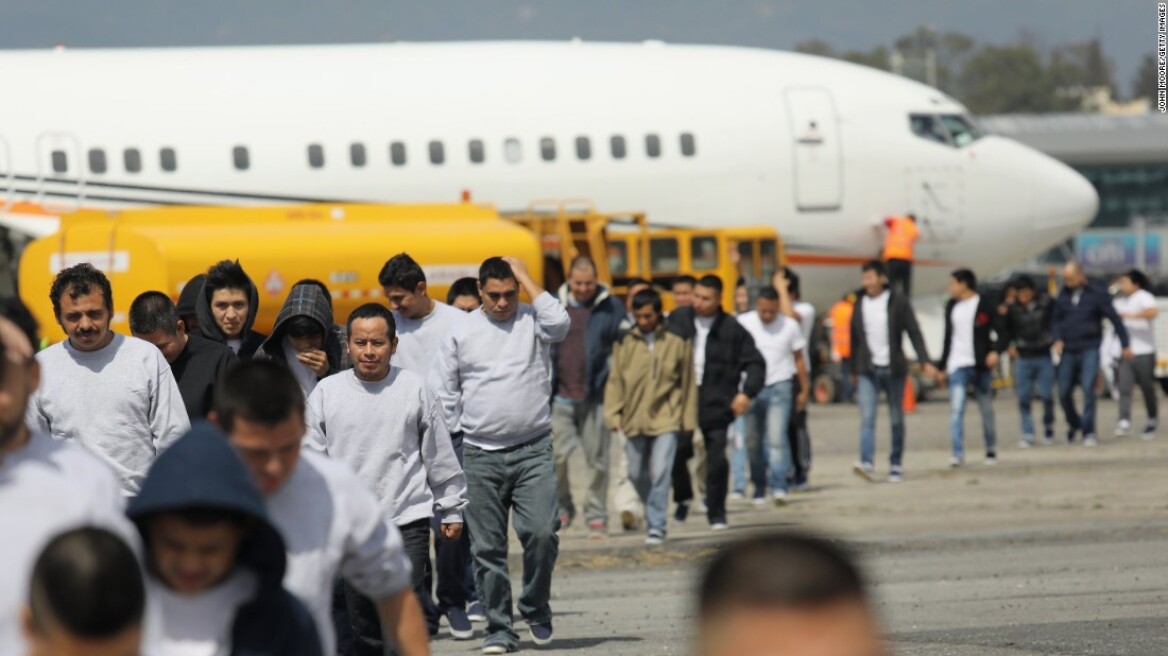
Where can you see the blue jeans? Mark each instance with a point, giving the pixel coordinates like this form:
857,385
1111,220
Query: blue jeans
1034,376
1079,368
650,471
517,483
871,384
738,460
767,424
983,390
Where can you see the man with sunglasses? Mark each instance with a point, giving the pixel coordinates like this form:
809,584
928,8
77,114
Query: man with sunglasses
494,378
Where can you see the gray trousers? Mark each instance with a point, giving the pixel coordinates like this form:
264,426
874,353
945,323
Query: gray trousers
1140,371
580,425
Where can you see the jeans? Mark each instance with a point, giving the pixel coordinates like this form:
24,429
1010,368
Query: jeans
738,458
1079,368
1140,371
871,384
580,424
453,565
800,439
983,391
517,483
768,422
1034,376
363,617
650,466
717,473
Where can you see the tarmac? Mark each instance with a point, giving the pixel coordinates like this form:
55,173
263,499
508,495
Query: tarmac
1054,550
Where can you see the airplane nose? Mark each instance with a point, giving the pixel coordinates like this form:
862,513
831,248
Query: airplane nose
1064,201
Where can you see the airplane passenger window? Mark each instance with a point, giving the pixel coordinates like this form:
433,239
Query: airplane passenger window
926,126
583,148
477,153
547,149
60,161
652,145
688,147
963,130
437,152
132,159
618,146
512,150
241,158
168,160
664,255
357,156
315,156
397,153
97,160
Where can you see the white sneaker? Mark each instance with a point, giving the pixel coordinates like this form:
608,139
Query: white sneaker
737,496
655,539
956,462
780,498
1026,442
991,459
1090,441
719,526
865,470
1123,429
896,475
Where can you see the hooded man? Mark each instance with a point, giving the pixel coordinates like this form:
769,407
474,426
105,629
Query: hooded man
215,561
227,308
303,337
188,301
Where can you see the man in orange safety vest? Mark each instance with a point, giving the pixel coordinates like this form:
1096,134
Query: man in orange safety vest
898,250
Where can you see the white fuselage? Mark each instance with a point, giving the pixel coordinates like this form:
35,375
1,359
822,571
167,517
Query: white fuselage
819,148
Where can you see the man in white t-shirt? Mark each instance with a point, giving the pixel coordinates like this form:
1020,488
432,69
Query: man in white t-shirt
1137,307
781,343
969,359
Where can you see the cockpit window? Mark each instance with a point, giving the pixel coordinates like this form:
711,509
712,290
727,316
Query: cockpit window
926,126
950,129
961,128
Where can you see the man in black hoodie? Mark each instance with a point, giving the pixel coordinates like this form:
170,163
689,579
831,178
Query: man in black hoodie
215,561
227,309
303,337
723,353
188,302
198,364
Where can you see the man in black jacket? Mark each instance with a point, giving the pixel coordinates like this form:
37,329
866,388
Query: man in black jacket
882,318
227,309
1026,330
723,353
969,359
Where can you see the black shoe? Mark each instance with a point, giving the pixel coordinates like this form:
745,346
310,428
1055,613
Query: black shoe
1071,436
682,512
460,626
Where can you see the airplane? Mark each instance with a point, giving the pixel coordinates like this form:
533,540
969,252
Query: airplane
693,135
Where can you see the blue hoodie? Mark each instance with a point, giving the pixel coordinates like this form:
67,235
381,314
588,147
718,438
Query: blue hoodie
202,470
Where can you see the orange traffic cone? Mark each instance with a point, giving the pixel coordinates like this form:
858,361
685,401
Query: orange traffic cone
910,397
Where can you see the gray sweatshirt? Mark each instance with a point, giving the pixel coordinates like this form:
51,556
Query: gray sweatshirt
493,377
121,402
418,340
391,433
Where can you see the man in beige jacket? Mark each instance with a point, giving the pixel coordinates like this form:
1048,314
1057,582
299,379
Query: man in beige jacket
651,396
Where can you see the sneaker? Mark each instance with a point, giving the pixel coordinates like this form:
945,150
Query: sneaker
475,613
720,525
597,529
1123,429
780,498
655,538
1048,440
1149,431
628,520
1090,441
491,647
1071,436
682,512
759,501
737,496
565,521
541,634
1027,442
896,475
460,626
991,459
805,486
865,470
956,461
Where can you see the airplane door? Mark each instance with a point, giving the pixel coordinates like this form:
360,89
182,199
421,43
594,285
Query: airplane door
936,195
60,173
817,149
7,182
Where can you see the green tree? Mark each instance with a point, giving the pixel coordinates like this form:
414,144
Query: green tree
815,47
1006,79
1144,84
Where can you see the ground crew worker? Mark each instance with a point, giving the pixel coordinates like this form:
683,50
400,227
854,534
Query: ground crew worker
898,250
839,325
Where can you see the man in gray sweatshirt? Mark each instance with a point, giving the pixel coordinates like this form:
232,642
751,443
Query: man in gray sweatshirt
384,422
494,381
112,394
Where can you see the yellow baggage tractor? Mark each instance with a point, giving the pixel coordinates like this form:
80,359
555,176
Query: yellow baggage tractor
342,245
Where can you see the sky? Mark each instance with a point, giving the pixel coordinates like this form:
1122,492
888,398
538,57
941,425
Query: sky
1127,28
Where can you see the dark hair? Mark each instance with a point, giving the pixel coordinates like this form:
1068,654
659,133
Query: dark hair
89,583
151,312
633,282
312,282
792,281
769,293
685,279
647,297
1024,282
581,261
965,277
875,266
1138,278
79,280
401,271
463,287
495,268
260,391
207,516
227,274
780,570
303,325
711,282
16,312
372,311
